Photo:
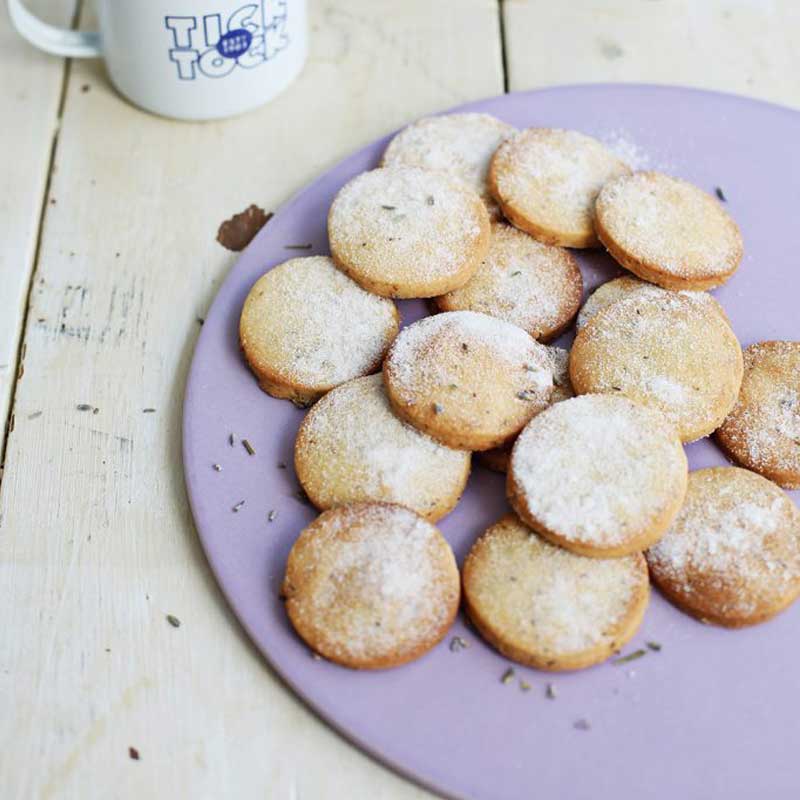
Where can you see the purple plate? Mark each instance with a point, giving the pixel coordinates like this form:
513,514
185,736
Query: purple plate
713,713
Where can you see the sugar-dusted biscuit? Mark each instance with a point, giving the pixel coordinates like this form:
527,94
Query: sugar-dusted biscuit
762,432
371,585
306,327
351,448
545,607
672,351
533,285
732,555
667,231
459,144
546,182
599,475
626,285
408,232
468,380
498,457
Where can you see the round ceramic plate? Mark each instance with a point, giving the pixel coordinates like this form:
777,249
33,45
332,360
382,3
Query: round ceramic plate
711,708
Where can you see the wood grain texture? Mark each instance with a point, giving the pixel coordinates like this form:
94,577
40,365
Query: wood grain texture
30,92
743,46
96,541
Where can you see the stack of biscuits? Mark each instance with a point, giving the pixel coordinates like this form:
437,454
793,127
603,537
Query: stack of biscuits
481,218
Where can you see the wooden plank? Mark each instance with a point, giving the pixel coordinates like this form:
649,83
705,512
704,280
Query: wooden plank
30,91
743,46
97,542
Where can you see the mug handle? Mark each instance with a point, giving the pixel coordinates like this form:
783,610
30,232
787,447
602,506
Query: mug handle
60,42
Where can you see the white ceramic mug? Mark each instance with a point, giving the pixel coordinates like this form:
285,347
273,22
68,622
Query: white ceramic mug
189,59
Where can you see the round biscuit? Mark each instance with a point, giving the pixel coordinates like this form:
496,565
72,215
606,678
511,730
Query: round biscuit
468,380
672,351
351,448
371,585
408,232
306,327
732,555
667,231
598,475
548,608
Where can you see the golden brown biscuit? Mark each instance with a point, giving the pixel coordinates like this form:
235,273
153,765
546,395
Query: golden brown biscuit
306,327
732,555
667,231
763,430
498,457
408,232
351,448
535,286
546,181
546,607
626,285
459,144
671,351
468,380
598,475
371,585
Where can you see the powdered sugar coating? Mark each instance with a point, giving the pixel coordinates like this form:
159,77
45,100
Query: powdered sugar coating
535,286
668,231
672,351
459,144
732,555
371,585
469,380
352,448
762,432
598,474
546,182
626,149
547,607
306,327
624,286
408,232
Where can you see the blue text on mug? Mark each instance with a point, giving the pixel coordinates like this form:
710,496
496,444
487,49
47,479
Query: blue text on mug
212,46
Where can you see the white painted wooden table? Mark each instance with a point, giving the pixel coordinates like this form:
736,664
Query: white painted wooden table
107,258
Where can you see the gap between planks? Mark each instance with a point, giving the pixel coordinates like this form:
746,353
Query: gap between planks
501,5
18,365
